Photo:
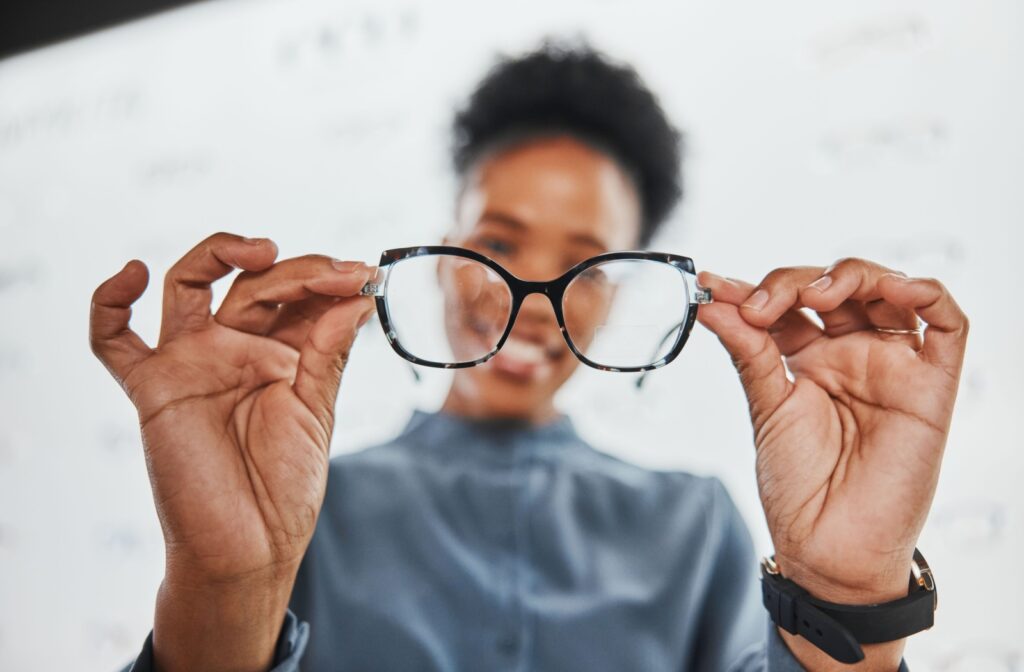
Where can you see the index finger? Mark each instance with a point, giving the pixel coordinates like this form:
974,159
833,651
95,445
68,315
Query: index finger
823,290
187,293
257,300
848,278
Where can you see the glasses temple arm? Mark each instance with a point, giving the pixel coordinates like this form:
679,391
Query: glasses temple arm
702,297
640,378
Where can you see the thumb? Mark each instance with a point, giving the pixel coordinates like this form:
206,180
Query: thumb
324,355
110,335
753,351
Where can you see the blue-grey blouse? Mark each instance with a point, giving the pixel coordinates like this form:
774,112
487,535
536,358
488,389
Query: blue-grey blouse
466,544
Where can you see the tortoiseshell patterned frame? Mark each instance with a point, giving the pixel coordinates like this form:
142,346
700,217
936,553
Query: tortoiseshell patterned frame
520,289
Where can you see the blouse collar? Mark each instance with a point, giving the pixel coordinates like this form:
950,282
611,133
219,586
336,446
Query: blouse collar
439,424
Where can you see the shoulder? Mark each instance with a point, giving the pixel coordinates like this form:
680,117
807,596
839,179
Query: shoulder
671,499
656,486
382,464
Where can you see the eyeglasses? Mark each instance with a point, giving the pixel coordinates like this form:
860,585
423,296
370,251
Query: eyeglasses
449,307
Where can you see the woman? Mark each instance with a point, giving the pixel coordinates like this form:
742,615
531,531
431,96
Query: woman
488,535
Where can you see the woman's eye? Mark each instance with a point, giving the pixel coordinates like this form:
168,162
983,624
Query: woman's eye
594,277
497,246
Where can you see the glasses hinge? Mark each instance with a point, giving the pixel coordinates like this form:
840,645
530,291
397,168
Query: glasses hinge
704,295
372,289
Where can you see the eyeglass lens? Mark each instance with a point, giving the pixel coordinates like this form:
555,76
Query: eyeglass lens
625,313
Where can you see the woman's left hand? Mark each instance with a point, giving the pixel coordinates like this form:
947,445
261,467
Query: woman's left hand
849,446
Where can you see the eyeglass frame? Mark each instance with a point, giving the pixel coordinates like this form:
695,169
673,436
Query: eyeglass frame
553,289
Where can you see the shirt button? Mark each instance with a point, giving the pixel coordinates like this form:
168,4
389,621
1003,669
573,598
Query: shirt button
508,644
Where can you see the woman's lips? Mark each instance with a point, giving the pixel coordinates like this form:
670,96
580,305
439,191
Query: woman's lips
522,359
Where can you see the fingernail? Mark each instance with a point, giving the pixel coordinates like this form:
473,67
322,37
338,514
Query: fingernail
345,266
253,241
757,300
822,283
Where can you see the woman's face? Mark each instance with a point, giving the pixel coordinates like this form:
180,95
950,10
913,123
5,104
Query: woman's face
537,208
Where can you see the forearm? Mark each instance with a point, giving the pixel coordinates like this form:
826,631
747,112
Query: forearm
225,626
882,657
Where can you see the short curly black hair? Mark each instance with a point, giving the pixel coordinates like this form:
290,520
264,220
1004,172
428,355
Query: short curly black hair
577,90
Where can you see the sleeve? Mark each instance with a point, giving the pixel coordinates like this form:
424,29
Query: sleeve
290,646
772,655
732,620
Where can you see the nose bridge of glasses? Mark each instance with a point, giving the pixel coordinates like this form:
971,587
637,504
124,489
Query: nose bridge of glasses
522,289
527,287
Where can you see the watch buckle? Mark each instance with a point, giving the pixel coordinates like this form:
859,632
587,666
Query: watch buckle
768,565
921,574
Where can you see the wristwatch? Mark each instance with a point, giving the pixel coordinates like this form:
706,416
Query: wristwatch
840,629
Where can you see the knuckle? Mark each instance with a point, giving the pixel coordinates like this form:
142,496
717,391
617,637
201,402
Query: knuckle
206,246
934,284
214,243
177,270
303,262
848,264
775,276
172,275
97,346
244,284
245,278
220,236
315,259
100,354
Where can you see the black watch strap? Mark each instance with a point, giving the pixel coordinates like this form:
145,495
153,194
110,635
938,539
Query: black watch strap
840,629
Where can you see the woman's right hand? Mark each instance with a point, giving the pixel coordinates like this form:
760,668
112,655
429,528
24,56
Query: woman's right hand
236,410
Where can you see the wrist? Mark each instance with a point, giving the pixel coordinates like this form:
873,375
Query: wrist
219,625
867,583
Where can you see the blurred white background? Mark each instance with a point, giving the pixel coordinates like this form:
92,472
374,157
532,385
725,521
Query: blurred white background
887,129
